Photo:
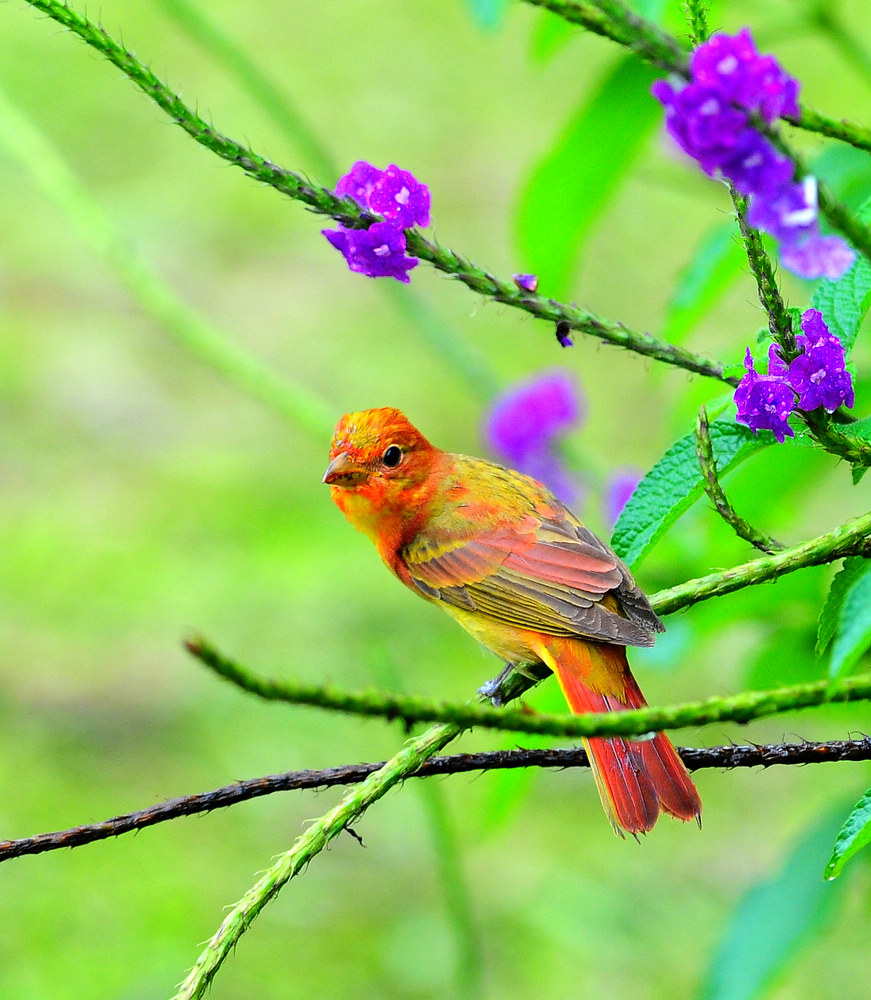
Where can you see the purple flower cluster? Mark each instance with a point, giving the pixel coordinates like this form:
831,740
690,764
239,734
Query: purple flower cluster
525,423
816,378
710,119
399,198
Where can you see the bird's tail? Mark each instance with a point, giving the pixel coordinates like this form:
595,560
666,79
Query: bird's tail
636,778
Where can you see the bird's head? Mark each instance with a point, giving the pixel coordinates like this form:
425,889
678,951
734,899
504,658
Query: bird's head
379,468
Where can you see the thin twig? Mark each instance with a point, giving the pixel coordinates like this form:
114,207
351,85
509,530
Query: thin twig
742,707
812,120
613,19
779,319
696,759
714,490
306,847
696,14
345,211
851,538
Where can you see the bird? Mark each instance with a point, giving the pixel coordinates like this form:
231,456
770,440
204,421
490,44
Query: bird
498,552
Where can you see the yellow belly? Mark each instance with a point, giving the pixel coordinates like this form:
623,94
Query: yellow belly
506,641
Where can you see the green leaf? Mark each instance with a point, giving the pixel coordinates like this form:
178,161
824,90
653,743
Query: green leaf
845,302
572,185
773,920
852,634
852,837
674,484
718,261
830,616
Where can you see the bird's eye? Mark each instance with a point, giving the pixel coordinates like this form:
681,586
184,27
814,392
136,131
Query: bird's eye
392,457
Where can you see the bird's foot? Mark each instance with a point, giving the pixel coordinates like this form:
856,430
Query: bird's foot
493,689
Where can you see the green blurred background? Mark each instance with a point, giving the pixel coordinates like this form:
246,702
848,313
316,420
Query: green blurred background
145,496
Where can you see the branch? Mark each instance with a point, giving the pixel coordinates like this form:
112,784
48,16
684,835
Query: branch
696,14
853,538
779,320
742,707
613,19
696,759
325,202
306,847
812,120
714,490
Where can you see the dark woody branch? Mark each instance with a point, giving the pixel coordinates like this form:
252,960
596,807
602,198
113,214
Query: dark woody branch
696,759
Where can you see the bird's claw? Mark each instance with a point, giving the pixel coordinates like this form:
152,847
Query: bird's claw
493,689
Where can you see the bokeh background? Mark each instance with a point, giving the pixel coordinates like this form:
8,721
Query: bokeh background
145,495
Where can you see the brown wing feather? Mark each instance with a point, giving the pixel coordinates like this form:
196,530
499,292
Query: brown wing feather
556,578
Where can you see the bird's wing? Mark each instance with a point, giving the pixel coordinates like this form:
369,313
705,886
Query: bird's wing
551,576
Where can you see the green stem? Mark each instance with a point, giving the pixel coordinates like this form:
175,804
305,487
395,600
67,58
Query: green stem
617,334
454,351
21,139
614,20
716,494
779,320
309,845
851,538
696,14
852,449
815,121
345,211
250,75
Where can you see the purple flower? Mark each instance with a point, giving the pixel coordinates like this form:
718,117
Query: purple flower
358,183
732,65
524,424
819,375
526,282
817,256
400,198
776,364
755,167
394,194
788,215
814,332
702,122
377,252
709,117
791,217
764,401
621,484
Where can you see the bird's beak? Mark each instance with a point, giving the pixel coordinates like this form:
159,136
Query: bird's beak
344,471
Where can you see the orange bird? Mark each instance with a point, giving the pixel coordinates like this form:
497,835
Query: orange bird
500,554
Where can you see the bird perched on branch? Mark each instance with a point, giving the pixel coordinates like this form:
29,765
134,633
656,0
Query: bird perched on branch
500,554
